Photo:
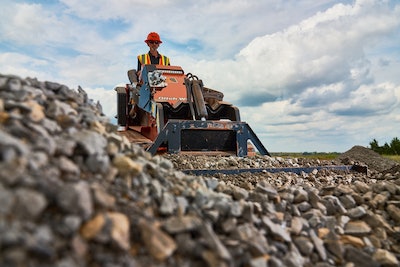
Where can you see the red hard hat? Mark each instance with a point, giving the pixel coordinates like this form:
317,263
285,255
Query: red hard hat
153,36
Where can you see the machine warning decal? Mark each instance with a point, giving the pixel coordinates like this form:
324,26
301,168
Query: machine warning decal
172,79
168,98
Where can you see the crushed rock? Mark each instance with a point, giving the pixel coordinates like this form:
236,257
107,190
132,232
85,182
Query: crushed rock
75,193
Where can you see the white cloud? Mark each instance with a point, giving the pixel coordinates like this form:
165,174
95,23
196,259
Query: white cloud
107,98
109,9
22,65
368,100
323,49
21,16
220,27
34,25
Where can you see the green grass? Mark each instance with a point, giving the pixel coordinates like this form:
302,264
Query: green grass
313,155
393,157
322,156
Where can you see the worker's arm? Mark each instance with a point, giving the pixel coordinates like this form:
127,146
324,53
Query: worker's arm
139,71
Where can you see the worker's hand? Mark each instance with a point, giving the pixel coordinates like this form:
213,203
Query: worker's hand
139,75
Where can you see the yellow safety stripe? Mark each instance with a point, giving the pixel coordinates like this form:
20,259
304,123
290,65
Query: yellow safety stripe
145,59
165,60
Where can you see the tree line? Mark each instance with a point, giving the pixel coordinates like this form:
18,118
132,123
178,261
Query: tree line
387,149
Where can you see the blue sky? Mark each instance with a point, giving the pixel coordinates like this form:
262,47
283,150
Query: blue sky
306,75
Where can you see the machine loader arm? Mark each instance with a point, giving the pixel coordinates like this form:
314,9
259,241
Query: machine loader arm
194,89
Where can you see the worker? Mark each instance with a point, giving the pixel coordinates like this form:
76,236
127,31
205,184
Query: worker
153,56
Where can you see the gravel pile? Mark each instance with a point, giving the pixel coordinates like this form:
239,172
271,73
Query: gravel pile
373,160
75,193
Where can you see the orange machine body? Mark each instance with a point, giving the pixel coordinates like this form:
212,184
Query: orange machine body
175,90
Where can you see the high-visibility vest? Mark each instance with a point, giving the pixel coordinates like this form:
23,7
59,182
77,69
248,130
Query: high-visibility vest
145,59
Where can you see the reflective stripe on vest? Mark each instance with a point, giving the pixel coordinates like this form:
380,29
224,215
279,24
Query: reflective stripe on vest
145,59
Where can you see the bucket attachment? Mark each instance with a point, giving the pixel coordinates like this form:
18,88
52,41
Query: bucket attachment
207,137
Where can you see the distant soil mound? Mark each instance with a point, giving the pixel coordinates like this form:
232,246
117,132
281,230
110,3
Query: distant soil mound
373,160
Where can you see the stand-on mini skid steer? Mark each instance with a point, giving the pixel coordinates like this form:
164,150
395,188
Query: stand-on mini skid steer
170,111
